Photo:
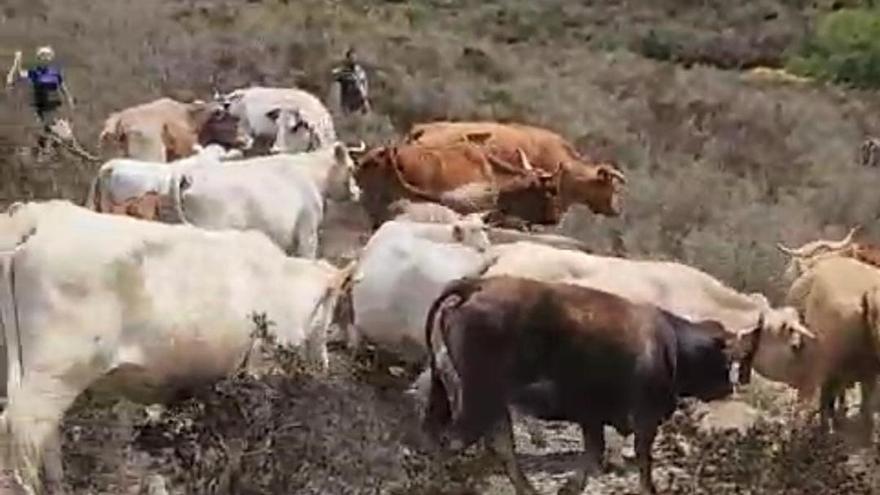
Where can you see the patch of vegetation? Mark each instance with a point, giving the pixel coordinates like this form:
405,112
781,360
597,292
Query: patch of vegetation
845,48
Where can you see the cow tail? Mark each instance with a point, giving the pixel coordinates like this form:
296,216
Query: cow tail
340,283
177,198
322,315
463,288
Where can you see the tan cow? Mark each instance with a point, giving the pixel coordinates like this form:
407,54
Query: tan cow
164,130
805,257
831,294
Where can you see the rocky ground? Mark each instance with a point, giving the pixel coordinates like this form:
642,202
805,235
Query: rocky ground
288,430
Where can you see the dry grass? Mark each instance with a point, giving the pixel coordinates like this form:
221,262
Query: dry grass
720,168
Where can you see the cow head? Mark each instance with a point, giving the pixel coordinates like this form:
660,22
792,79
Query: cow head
232,102
472,231
804,257
215,124
596,186
341,184
294,133
778,340
533,198
705,356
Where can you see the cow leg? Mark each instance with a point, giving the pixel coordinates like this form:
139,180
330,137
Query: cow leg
501,443
53,469
591,461
33,416
867,385
535,431
316,348
644,441
827,398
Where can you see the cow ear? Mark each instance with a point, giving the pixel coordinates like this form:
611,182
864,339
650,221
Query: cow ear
273,114
457,233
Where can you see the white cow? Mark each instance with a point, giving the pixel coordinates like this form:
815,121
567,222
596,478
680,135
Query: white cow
281,195
122,179
428,212
402,269
136,309
675,287
259,109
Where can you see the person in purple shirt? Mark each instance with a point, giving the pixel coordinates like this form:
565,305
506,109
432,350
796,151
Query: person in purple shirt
48,86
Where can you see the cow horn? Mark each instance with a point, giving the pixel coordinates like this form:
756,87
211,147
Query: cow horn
789,251
846,241
358,149
616,173
526,164
808,250
800,328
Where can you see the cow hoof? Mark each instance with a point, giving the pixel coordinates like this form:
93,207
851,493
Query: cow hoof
571,487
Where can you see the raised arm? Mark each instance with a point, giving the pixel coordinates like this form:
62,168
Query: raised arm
15,72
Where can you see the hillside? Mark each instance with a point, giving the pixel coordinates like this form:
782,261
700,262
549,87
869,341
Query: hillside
721,166
763,162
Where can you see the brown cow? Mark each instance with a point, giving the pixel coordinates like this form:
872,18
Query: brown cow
565,353
464,178
545,149
458,176
165,130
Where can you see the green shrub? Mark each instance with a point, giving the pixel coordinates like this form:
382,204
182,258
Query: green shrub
845,48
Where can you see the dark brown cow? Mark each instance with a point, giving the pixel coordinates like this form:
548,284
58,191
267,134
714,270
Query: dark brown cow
566,353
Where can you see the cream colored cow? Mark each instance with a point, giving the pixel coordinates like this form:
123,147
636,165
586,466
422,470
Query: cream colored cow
136,309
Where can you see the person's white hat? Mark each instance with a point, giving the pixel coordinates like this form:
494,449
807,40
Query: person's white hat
45,52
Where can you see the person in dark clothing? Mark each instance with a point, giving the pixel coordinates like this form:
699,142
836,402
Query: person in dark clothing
48,86
353,86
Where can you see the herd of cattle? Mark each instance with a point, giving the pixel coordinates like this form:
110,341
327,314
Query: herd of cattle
148,290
